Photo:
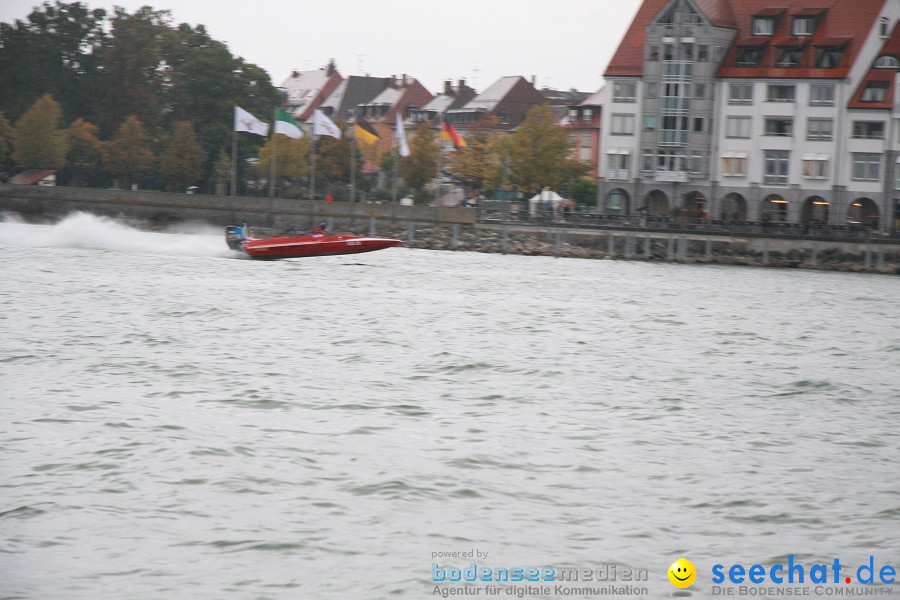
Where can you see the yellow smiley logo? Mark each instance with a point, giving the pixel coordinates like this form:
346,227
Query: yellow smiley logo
682,573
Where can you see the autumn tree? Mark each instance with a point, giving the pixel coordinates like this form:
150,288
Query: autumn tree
128,156
421,165
478,163
333,157
182,162
38,141
291,159
539,153
85,156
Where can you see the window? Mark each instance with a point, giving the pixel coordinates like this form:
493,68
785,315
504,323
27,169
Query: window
584,151
815,166
647,161
671,160
866,167
622,125
653,55
740,93
803,26
687,51
887,62
819,129
700,90
868,130
703,53
618,161
719,51
737,127
789,57
624,91
652,90
573,113
829,58
698,124
668,52
697,163
876,91
776,172
821,95
734,164
780,126
749,56
763,26
587,114
650,123
780,93
883,27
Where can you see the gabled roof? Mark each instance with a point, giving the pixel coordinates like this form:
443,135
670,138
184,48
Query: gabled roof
493,95
842,25
31,176
595,99
879,77
839,22
352,92
305,90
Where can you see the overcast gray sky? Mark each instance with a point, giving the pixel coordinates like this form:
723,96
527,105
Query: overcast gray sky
563,45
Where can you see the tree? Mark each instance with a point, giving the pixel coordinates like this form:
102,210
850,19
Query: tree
52,52
38,141
182,162
479,162
539,153
291,159
6,141
421,165
127,155
85,156
333,157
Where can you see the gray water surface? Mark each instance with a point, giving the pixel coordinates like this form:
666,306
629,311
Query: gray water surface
180,423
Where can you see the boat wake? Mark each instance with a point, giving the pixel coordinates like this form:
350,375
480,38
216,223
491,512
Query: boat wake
83,230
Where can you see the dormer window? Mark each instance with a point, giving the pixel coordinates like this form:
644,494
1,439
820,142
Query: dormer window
883,25
829,58
876,91
750,57
887,62
803,26
789,57
763,26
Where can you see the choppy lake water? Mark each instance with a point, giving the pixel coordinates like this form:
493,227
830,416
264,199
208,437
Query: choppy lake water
179,423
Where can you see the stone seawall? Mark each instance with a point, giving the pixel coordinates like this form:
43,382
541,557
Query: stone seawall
453,229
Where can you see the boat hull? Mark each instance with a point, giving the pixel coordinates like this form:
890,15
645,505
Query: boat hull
312,245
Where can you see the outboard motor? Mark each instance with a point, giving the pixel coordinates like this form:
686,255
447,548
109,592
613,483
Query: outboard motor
234,237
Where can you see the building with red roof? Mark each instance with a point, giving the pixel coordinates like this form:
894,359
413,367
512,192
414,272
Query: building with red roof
755,110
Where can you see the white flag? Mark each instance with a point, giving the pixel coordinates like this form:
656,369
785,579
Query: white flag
244,121
322,125
402,145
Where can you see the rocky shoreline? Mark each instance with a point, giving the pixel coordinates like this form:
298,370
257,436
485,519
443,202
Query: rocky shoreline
572,244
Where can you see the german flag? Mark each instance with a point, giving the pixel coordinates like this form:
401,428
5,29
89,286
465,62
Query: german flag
364,132
449,134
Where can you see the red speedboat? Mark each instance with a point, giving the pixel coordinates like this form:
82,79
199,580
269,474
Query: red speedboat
320,243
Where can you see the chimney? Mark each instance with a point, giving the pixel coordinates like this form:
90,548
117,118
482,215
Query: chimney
448,91
462,83
295,73
534,80
403,79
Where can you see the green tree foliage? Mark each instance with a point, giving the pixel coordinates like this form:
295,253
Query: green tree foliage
539,153
478,163
128,156
182,162
420,166
333,157
85,156
291,159
52,52
38,141
583,190
6,141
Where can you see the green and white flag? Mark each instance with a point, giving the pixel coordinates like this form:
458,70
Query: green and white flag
286,125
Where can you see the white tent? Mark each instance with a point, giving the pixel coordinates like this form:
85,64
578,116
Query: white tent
539,202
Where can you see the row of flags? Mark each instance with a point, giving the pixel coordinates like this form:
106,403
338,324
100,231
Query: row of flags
322,125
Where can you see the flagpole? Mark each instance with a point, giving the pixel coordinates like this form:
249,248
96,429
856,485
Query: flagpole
274,150
312,173
395,181
233,162
352,167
